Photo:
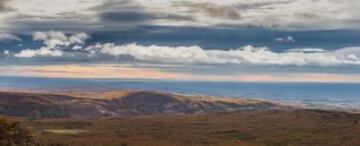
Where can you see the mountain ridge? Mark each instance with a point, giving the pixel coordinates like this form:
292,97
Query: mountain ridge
119,103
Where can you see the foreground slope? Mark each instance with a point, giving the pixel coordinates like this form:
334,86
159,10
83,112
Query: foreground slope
119,103
248,128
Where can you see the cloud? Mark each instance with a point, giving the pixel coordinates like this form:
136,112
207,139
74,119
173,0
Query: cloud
55,42
90,15
244,55
275,14
53,39
139,17
288,39
3,6
308,50
44,51
78,38
154,53
6,52
4,37
211,10
38,15
246,5
54,10
73,47
126,16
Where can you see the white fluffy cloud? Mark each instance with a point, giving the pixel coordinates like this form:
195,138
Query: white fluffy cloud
6,52
44,51
55,42
53,39
309,50
243,55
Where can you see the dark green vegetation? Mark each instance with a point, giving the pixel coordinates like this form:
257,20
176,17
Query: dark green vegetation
260,128
14,134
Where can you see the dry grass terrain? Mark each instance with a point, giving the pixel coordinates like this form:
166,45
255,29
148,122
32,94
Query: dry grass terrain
260,128
119,103
144,118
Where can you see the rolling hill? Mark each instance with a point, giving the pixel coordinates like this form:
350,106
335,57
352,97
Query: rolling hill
119,103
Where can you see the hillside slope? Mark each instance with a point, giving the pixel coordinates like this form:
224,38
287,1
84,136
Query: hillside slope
119,103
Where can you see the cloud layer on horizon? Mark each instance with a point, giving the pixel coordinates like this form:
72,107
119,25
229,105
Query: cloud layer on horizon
111,71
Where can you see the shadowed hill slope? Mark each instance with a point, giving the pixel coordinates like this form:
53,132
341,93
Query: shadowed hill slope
119,103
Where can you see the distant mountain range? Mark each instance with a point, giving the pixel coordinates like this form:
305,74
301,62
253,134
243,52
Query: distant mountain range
119,103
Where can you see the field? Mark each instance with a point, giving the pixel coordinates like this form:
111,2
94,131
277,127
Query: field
260,128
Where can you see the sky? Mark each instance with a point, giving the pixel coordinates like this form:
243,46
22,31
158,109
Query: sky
197,40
